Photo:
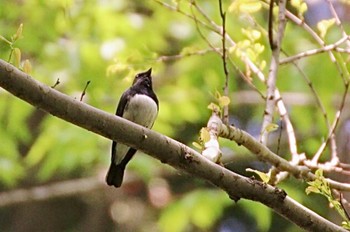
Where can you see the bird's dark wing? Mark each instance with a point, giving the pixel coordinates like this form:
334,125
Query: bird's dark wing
122,102
120,110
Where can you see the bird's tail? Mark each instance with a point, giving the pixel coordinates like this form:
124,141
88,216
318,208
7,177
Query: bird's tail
115,175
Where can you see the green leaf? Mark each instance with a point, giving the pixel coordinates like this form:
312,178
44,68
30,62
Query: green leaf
224,101
18,34
214,107
16,57
204,135
312,189
197,145
27,66
324,25
265,177
251,34
345,225
301,7
271,127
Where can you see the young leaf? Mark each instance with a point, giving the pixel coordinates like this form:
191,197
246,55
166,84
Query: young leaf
214,107
18,34
301,7
265,177
224,101
27,67
204,135
271,127
16,57
324,25
197,145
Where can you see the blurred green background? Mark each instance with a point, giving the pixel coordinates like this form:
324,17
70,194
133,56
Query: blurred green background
107,42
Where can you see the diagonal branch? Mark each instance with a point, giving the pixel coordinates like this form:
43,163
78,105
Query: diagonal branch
326,48
159,146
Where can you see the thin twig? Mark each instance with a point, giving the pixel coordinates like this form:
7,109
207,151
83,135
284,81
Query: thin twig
335,157
337,20
272,78
84,91
193,3
279,139
327,167
312,52
315,94
223,57
271,41
342,200
57,83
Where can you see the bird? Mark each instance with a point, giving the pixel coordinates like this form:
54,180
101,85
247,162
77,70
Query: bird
140,105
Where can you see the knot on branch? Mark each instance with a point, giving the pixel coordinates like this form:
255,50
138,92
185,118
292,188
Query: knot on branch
212,148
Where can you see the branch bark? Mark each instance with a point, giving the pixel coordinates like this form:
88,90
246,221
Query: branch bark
159,146
272,78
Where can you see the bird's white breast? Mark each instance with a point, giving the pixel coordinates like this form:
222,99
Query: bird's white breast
142,110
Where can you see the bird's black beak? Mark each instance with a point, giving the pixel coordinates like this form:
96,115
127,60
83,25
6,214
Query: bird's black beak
149,72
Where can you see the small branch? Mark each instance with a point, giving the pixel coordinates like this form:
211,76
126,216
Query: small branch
270,30
319,104
217,50
327,167
292,141
312,52
337,20
271,80
57,83
84,91
223,57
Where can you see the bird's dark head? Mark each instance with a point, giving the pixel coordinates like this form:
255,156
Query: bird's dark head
144,79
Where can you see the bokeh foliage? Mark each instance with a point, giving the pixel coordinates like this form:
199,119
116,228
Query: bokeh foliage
107,42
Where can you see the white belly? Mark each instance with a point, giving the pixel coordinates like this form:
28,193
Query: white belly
141,110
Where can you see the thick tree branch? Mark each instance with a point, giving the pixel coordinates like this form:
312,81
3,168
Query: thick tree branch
159,146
